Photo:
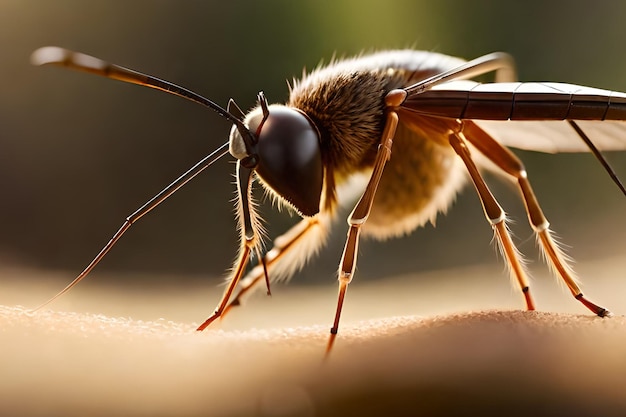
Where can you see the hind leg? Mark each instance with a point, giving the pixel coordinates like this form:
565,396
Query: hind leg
510,164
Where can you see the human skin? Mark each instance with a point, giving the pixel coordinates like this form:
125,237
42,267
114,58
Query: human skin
65,361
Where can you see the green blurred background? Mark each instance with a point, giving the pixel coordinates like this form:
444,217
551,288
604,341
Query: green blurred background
79,153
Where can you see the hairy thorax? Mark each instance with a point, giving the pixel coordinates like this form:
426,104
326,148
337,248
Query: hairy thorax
346,102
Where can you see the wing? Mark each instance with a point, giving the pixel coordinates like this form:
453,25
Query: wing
557,136
531,116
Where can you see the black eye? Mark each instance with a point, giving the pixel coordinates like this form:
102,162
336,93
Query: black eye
290,160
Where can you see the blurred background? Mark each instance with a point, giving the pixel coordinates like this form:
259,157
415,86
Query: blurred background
79,153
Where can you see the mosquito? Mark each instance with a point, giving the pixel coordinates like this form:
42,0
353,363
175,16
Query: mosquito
415,124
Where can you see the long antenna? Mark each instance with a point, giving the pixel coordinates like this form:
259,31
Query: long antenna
52,55
142,211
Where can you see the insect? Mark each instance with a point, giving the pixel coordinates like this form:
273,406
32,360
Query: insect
414,124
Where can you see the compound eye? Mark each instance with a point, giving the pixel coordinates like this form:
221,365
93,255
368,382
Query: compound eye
290,161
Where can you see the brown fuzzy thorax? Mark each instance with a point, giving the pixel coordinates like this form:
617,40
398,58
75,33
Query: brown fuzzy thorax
346,102
348,111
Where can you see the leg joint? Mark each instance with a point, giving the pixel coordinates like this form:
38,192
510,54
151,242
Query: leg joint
499,219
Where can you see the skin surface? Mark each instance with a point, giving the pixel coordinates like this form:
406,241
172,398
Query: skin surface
449,357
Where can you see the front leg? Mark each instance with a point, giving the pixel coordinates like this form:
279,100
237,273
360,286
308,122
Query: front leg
290,252
359,216
250,236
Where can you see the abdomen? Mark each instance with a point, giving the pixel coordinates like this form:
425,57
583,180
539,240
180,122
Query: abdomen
421,179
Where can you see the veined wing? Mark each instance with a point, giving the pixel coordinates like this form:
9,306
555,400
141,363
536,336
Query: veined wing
557,136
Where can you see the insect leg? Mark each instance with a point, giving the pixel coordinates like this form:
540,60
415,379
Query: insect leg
359,216
249,238
238,272
290,252
596,152
495,215
510,164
